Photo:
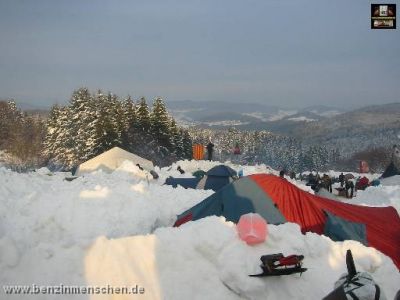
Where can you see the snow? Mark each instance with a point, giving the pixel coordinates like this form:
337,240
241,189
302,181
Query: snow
201,259
227,123
379,196
301,119
116,229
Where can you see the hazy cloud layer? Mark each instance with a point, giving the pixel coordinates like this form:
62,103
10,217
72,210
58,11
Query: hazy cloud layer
292,53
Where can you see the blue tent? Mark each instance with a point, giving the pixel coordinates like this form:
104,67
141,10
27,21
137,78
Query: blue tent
190,183
215,179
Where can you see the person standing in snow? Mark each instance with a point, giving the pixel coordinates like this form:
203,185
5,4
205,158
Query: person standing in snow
349,186
210,149
341,179
327,183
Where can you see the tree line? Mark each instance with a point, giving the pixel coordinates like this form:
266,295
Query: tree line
88,125
21,136
286,153
92,123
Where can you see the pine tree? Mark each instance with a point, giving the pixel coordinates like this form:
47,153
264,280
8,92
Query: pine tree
52,132
187,145
143,116
143,142
79,111
176,136
160,127
130,124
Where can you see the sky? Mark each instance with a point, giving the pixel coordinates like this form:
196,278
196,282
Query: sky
278,52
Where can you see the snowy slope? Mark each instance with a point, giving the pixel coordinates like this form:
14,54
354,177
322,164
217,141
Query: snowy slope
102,228
206,260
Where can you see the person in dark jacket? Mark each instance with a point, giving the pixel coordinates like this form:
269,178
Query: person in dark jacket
327,183
341,179
349,186
210,149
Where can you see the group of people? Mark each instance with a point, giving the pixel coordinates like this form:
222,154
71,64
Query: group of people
317,182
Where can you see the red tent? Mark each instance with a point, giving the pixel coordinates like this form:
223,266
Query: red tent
279,201
307,210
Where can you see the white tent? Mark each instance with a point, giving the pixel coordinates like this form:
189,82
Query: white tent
111,160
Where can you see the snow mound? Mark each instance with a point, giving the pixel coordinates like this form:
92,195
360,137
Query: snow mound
390,181
379,196
107,229
47,223
206,259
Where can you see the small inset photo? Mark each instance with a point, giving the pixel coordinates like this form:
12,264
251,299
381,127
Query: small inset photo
383,16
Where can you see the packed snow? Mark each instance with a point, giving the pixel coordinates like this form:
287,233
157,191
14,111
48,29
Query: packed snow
115,229
386,194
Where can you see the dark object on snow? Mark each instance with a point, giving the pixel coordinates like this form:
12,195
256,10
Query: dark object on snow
391,170
210,149
355,285
375,182
70,178
139,167
397,297
180,170
186,183
199,174
351,267
277,265
215,179
282,174
154,174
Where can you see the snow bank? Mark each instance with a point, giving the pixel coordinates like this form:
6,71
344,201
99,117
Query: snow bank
102,228
47,223
391,181
206,259
379,196
191,166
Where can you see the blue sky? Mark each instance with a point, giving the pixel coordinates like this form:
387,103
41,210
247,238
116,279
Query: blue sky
280,52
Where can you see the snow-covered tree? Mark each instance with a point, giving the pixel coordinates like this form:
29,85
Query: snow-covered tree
160,127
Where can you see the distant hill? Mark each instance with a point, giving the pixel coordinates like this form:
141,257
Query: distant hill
250,116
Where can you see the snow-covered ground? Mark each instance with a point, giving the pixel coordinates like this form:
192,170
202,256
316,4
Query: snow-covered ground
116,229
386,194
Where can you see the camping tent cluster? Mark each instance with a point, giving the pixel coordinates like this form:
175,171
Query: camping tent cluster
279,201
214,179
